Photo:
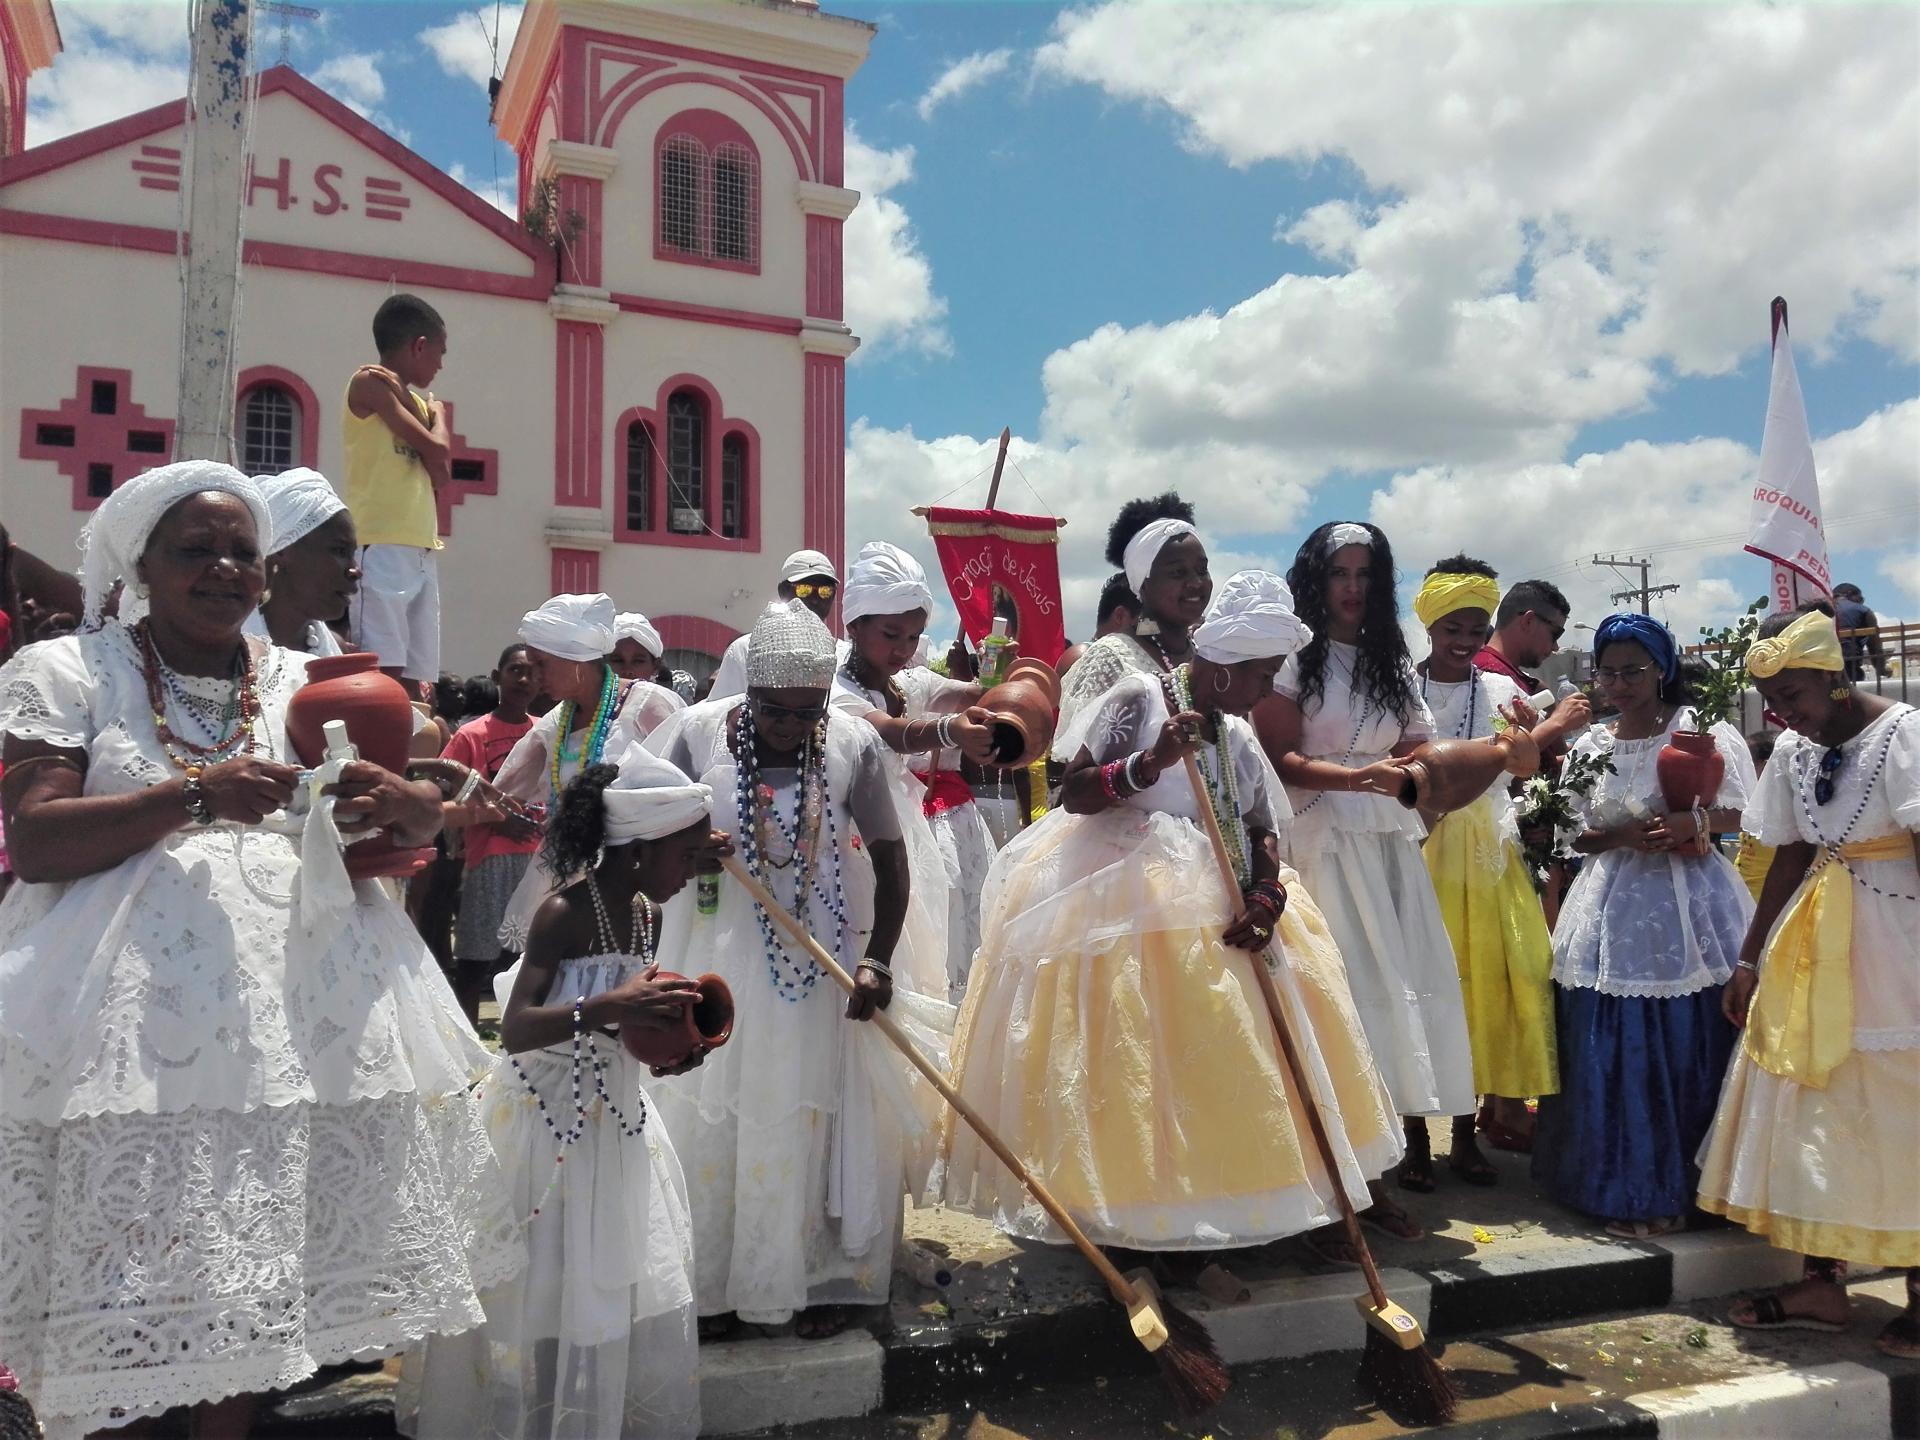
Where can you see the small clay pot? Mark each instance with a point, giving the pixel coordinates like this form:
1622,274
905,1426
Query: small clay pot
1024,707
1445,775
706,1024
1690,768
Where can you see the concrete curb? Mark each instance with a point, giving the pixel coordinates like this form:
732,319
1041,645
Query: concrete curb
1841,1401
752,1384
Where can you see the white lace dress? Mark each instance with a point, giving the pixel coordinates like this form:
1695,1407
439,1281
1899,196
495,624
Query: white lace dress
803,1134
232,1150
955,826
1101,666
597,1338
1359,855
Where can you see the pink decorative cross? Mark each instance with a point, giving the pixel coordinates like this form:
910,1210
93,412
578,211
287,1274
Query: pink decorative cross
97,436
475,472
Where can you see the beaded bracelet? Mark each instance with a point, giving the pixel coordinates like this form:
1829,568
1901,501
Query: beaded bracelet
1108,782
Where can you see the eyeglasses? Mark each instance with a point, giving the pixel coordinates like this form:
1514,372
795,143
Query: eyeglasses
802,714
807,589
1829,767
1555,630
1625,675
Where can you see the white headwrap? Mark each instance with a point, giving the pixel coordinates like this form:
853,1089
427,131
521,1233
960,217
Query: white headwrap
300,501
1251,618
885,580
650,798
790,650
1141,550
117,533
804,563
573,627
1347,533
632,625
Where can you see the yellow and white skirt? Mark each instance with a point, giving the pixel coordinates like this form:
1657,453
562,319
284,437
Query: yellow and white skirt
1126,1055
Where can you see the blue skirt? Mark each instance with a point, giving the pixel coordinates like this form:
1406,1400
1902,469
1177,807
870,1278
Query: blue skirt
1639,1082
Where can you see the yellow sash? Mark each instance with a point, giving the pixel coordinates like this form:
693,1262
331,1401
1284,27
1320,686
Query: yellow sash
1801,1023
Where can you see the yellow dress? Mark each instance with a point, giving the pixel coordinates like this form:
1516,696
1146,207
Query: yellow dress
1753,860
1126,1054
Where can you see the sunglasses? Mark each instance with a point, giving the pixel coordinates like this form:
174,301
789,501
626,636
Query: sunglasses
1829,767
1625,675
807,589
802,714
1556,631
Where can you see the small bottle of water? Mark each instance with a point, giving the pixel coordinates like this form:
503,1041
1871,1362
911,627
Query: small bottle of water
707,894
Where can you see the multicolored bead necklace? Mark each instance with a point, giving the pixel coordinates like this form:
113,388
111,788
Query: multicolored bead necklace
595,743
243,710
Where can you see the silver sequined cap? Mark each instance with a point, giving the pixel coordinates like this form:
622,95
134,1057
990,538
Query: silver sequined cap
790,650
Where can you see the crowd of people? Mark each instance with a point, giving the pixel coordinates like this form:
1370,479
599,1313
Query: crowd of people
248,1127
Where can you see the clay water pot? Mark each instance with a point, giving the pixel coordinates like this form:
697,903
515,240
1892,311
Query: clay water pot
1445,775
379,720
1690,769
705,1024
1024,706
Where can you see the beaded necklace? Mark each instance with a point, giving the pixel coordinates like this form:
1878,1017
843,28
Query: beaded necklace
1223,789
595,744
1804,775
641,938
1463,728
755,806
234,734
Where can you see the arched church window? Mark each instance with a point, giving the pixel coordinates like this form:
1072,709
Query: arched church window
733,486
687,462
639,477
270,422
709,192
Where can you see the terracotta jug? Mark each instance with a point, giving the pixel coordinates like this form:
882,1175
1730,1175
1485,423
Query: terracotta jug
1690,768
379,720
1024,706
705,1024
1444,775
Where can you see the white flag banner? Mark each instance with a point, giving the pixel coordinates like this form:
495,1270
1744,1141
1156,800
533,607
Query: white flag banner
1786,526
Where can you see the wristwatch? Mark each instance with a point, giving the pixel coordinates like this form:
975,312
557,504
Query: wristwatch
196,797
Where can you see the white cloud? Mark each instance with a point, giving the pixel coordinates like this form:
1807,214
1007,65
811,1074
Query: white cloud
354,79
497,193
464,46
961,76
119,59
890,300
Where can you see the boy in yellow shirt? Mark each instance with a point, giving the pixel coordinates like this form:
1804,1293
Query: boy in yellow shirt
397,446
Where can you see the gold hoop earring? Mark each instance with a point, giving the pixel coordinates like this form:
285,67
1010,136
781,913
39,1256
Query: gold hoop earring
1222,682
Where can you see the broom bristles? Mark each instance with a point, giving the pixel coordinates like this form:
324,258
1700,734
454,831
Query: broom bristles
1408,1382
1189,1363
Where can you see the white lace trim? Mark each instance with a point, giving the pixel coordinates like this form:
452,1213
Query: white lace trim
1905,1037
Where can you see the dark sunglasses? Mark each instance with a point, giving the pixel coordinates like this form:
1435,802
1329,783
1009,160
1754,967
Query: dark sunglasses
1829,767
807,589
802,714
1556,631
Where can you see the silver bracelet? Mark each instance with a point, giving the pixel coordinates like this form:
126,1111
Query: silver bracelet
943,731
879,967
1132,772
1751,966
467,787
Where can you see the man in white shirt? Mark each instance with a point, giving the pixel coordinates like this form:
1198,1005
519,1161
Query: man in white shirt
806,576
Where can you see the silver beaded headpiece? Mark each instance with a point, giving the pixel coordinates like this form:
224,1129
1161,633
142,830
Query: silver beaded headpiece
790,650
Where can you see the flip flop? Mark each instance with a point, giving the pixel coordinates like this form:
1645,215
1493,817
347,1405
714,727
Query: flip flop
1222,1286
1315,1243
1395,1222
1901,1338
1770,1314
1477,1170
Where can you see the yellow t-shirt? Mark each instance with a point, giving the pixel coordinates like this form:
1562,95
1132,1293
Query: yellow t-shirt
388,489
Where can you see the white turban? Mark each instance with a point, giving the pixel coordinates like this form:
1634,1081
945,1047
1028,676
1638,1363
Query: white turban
1251,618
117,533
1141,550
1347,533
804,563
300,501
885,580
650,798
632,625
573,627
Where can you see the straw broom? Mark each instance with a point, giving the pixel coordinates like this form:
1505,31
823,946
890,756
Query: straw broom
1395,1366
1180,1345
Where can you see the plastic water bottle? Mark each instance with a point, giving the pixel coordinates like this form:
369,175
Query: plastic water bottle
1564,689
706,890
995,653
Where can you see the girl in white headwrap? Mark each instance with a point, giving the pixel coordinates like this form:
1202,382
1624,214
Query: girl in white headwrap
314,570
599,716
799,1137
236,1137
1114,1033
1165,562
597,1337
931,723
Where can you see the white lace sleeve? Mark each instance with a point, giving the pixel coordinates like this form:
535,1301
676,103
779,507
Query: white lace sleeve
1101,666
1419,724
647,706
46,695
1736,790
1122,721
1263,800
523,774
1769,816
930,693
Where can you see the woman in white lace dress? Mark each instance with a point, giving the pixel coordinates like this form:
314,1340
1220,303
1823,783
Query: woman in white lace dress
236,1140
1646,937
929,722
597,1338
799,1137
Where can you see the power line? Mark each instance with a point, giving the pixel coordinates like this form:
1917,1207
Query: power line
1645,592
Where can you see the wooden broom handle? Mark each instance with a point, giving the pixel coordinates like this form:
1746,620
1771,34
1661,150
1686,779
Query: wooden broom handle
1122,1288
1271,993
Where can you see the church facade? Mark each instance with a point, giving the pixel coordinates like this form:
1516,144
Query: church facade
646,383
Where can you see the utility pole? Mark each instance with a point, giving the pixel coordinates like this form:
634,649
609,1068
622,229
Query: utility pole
219,114
1644,592
286,13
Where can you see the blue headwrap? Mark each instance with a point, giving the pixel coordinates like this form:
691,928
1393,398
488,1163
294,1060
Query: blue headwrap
1646,632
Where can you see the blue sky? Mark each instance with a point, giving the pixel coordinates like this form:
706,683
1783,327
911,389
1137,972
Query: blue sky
1489,276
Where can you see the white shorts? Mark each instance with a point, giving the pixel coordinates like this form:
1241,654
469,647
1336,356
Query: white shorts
397,612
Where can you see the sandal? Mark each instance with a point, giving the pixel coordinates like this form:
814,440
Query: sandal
1330,1246
1388,1218
1767,1312
1222,1286
1901,1338
1416,1170
714,1328
1473,1167
823,1322
1647,1229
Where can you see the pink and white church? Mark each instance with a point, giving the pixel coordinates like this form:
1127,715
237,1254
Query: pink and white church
650,401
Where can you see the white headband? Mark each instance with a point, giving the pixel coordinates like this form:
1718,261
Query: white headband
1347,533
117,533
300,501
632,625
1251,618
1147,545
650,798
572,627
804,563
885,580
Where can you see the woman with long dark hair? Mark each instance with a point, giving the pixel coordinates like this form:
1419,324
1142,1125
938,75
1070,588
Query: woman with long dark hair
1343,709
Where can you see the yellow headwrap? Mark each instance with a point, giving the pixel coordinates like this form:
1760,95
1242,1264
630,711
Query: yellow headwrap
1444,593
1810,643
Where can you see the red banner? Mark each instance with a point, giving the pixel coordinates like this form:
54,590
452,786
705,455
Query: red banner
984,552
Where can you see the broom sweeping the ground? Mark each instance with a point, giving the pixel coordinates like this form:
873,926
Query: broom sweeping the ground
1396,1366
1179,1344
